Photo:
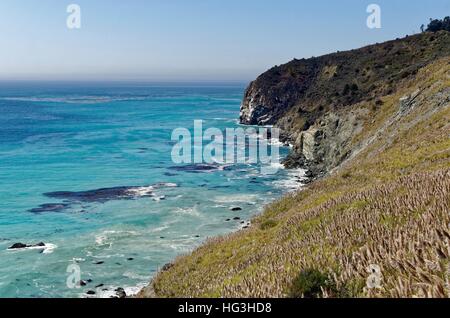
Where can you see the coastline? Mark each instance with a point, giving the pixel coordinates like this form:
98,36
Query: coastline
296,183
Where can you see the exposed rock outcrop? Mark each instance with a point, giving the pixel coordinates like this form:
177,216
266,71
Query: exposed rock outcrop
17,246
315,102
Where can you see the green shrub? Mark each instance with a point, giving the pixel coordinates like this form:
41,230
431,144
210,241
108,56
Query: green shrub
346,175
439,25
308,284
268,224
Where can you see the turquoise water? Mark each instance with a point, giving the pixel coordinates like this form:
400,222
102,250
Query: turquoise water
80,137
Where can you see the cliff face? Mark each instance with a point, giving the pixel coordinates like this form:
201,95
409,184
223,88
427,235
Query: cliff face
315,102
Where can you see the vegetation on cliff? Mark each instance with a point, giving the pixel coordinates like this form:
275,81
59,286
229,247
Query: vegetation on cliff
439,25
386,207
313,100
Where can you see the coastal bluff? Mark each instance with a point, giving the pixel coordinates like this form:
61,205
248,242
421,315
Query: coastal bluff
319,103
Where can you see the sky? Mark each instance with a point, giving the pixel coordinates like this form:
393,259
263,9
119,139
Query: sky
189,40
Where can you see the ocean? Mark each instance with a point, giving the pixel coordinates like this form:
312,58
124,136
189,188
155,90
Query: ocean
86,168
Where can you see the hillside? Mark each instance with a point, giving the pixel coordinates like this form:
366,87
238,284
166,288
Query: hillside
310,99
375,122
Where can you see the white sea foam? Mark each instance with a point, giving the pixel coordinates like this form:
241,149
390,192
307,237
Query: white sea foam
246,198
158,199
141,191
49,248
134,290
136,276
192,211
148,190
107,237
130,291
276,142
159,229
166,185
293,181
100,239
277,165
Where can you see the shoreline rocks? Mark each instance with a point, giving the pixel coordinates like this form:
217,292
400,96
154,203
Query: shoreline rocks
18,246
166,267
317,102
120,292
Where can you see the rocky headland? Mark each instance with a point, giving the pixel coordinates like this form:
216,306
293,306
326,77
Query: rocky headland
320,103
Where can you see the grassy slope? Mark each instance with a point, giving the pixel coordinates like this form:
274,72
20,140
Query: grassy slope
387,206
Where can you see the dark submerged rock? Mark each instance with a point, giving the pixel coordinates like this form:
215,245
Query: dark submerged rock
107,194
18,246
50,207
120,292
98,195
196,168
170,174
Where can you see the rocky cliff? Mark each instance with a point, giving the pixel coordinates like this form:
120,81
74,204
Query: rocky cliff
315,101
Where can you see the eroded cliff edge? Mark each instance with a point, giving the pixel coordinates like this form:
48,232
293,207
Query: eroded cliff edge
315,101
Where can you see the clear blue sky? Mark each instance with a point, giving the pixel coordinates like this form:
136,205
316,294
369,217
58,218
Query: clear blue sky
189,39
